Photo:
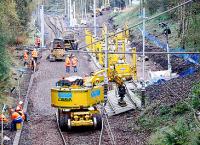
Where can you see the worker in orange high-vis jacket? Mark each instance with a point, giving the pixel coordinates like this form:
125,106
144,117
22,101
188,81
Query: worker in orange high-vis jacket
3,117
35,55
19,109
74,62
37,41
25,57
67,64
16,118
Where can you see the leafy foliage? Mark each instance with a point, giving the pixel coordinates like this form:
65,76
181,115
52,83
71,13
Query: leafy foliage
14,16
187,17
174,124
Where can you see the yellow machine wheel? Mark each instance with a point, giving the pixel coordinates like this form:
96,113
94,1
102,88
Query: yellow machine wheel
97,121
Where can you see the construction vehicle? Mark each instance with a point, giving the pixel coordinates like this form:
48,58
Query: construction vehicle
58,51
97,79
70,43
98,12
76,103
76,99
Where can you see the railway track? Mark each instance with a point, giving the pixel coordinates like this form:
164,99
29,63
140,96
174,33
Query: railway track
57,32
60,132
90,136
50,25
56,23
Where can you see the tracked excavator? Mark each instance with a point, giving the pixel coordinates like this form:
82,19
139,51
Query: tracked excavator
76,99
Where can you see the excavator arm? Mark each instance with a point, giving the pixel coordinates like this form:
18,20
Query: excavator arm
99,77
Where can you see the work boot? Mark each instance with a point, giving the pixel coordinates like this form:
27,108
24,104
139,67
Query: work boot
121,102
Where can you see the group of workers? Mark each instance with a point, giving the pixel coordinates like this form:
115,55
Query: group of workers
34,57
71,61
17,115
32,61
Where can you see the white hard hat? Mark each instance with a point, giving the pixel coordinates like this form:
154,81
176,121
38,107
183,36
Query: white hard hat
20,102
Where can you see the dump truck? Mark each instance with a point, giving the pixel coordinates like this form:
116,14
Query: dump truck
58,50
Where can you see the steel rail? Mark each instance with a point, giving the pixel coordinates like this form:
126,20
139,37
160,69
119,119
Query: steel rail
56,26
48,22
60,132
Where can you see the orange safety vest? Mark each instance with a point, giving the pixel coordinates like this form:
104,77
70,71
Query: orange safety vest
34,53
25,56
74,61
21,113
15,116
67,62
2,117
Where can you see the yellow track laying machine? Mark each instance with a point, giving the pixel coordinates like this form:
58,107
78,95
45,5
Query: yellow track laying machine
76,103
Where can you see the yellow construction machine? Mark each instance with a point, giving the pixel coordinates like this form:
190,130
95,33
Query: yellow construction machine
76,99
57,51
76,103
97,79
70,43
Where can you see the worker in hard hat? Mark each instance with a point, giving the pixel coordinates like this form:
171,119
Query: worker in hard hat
3,118
74,62
122,93
25,57
19,109
32,64
35,54
37,41
67,64
121,61
15,117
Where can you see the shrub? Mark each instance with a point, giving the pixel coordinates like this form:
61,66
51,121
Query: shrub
180,108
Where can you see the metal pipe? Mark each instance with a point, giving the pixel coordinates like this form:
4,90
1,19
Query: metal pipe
143,45
168,56
42,24
106,67
95,22
65,7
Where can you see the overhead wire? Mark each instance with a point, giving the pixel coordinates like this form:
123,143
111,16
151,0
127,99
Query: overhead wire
127,52
139,23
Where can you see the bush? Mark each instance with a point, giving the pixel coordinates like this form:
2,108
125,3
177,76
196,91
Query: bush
173,135
163,110
180,108
195,101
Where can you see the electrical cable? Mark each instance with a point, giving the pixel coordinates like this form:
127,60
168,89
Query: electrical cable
147,19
